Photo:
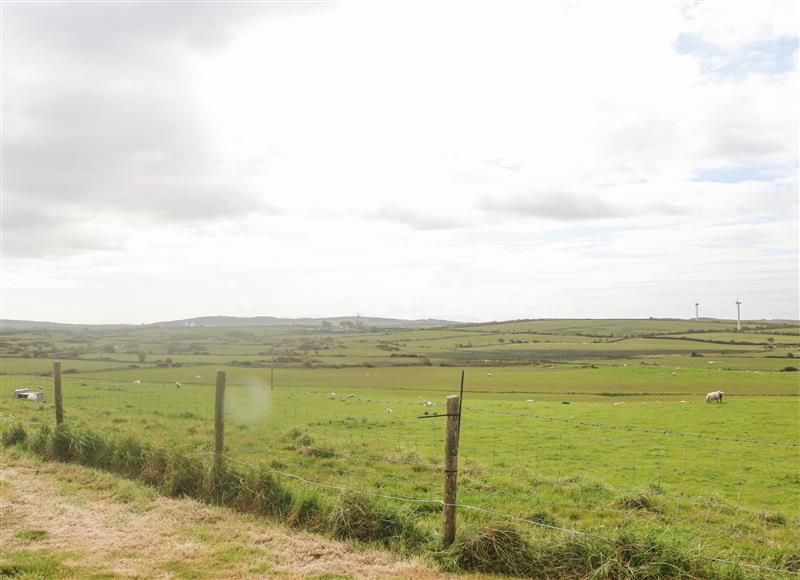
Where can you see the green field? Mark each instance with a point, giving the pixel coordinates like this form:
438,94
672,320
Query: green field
583,425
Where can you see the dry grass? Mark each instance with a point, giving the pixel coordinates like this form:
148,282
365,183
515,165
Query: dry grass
90,520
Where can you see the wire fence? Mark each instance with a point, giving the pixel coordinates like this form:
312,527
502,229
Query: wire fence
417,460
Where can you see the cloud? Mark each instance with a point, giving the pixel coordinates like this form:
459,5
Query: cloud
565,206
148,143
99,120
417,219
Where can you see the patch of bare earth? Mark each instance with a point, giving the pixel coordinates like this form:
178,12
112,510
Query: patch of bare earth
119,527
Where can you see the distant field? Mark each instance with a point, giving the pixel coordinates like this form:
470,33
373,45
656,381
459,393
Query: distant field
726,477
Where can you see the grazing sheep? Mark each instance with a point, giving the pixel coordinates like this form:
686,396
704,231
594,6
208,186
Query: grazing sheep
350,396
198,377
428,404
389,411
620,403
714,397
178,385
37,397
682,402
488,374
332,396
529,400
137,381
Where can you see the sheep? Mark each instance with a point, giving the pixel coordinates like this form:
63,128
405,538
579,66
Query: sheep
350,396
198,377
332,396
682,402
427,404
36,397
178,385
137,382
529,400
488,374
714,397
620,403
389,411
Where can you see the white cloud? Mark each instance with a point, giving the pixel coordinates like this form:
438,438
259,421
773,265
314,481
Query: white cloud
460,160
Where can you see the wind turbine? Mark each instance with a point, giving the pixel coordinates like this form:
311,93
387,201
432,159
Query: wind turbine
738,315
697,311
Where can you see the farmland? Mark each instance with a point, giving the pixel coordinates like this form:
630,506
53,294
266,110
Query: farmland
584,425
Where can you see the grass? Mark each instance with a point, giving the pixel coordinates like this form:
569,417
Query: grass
636,448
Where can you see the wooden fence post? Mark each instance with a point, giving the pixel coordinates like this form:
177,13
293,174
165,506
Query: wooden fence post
451,467
219,422
59,401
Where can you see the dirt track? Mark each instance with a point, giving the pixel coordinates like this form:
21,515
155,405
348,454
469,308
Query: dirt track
91,523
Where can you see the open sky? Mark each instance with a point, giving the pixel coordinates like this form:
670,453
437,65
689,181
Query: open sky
466,160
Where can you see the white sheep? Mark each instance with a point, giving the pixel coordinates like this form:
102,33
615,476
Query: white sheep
389,411
682,402
428,404
178,385
714,397
137,381
488,374
350,396
332,396
37,397
620,403
198,377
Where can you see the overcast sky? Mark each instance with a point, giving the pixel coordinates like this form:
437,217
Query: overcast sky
469,161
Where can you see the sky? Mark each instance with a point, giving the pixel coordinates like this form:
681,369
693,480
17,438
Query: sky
469,161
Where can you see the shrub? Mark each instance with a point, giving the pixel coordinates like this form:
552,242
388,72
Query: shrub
789,369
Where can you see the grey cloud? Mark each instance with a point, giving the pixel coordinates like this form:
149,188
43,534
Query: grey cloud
97,117
565,206
415,219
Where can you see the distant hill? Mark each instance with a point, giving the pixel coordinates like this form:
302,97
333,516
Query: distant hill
37,325
334,322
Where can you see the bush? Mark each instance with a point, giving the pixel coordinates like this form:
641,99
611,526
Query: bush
789,369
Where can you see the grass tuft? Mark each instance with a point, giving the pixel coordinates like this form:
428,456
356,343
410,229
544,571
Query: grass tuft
14,435
641,502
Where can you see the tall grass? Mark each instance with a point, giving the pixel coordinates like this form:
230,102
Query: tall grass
495,549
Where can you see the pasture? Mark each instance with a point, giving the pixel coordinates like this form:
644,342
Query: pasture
567,426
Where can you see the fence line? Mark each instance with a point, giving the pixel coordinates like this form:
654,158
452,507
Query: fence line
402,498
490,512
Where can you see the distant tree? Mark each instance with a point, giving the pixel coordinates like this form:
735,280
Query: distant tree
501,340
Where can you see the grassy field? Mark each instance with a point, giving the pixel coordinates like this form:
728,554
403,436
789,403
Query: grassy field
590,426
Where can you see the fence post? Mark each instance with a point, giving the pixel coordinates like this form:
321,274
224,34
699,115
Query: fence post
219,421
59,401
451,468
